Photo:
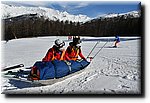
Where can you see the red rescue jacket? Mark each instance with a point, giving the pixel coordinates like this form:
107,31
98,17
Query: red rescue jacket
54,54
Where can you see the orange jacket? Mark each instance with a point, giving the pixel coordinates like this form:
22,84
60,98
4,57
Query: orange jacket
73,52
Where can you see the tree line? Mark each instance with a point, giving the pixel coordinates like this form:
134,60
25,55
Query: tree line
34,26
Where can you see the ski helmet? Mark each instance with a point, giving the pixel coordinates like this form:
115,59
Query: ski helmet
59,43
76,39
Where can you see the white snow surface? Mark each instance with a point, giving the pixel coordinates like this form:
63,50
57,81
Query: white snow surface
112,71
48,13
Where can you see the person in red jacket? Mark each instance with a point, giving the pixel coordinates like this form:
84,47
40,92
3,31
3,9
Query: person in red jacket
55,53
73,50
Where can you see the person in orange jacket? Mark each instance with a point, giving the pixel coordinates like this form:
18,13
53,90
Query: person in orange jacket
55,53
73,50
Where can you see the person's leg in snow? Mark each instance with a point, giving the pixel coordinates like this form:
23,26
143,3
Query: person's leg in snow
116,44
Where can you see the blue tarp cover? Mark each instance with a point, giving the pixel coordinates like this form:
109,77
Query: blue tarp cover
58,69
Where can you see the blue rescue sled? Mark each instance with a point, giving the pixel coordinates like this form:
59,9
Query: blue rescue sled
59,69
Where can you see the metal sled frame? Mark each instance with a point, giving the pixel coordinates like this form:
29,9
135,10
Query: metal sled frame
37,83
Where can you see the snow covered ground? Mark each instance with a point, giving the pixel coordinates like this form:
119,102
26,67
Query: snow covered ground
113,70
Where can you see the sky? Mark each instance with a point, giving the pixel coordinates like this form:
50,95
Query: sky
89,8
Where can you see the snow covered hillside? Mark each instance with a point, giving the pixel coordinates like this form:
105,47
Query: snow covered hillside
48,13
113,71
131,14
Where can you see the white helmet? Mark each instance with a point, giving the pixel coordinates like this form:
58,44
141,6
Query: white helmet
59,43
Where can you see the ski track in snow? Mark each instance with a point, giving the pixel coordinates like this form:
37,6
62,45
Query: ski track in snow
114,70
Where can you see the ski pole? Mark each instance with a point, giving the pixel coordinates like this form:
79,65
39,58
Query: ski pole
100,50
92,49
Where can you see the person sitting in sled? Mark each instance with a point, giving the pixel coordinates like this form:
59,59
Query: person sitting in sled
56,52
117,40
73,50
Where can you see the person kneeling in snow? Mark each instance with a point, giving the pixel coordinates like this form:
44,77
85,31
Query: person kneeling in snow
55,53
73,50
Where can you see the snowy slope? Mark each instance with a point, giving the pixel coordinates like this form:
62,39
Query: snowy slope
131,14
48,13
114,70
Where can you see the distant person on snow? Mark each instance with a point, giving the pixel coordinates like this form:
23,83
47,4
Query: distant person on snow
56,52
73,50
117,40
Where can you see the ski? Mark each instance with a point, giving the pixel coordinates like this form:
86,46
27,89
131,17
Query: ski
18,73
13,67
